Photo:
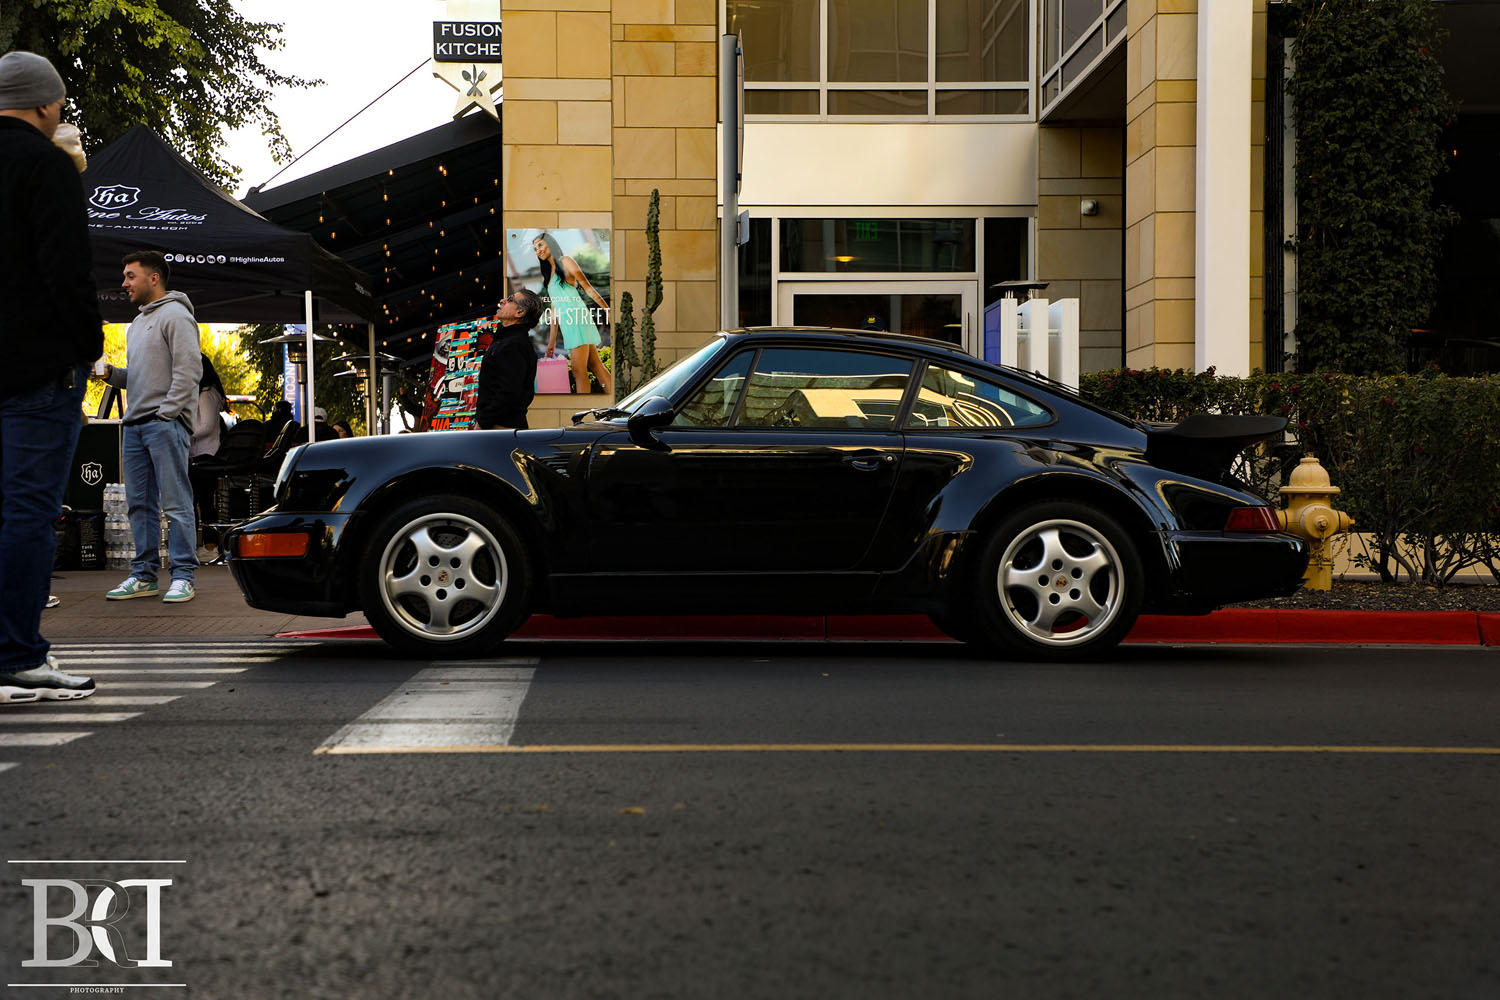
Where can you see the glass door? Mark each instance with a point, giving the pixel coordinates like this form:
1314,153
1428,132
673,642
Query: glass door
942,310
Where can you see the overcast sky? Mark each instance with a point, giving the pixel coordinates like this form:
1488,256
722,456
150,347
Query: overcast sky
358,49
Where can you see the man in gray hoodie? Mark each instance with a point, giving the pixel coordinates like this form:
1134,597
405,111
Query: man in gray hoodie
163,364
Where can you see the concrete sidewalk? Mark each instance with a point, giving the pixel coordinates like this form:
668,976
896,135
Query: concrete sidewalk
218,611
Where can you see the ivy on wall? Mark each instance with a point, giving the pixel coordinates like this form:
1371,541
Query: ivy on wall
1369,106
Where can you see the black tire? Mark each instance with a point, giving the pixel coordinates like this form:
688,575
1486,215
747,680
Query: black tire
477,591
1083,598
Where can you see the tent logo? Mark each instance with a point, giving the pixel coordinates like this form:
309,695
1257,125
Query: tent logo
91,473
108,197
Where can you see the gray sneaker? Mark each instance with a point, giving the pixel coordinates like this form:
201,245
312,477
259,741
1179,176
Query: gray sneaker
44,683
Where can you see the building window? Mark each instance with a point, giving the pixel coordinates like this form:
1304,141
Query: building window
877,245
756,284
1075,34
880,59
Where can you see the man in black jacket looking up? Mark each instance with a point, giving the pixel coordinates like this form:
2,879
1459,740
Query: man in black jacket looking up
507,375
50,331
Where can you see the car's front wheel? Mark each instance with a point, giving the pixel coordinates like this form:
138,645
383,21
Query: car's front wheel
1058,581
444,576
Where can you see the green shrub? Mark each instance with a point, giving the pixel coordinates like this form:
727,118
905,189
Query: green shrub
1370,109
1417,456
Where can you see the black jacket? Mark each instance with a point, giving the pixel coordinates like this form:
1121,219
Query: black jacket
507,379
50,317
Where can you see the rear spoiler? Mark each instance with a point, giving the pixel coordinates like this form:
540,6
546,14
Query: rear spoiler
1206,444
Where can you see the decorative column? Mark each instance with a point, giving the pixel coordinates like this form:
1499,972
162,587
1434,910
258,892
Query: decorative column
1222,261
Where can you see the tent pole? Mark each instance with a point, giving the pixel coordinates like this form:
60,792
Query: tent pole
372,403
312,433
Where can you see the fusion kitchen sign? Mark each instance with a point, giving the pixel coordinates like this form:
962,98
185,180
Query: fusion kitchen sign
466,41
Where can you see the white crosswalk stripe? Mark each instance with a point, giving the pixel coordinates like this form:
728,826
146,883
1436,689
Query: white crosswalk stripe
117,683
131,673
31,717
109,658
53,739
442,709
158,671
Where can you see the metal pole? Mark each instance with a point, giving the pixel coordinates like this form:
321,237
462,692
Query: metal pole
385,395
371,402
729,180
309,368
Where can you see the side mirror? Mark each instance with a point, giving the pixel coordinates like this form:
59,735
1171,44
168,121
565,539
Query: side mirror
654,412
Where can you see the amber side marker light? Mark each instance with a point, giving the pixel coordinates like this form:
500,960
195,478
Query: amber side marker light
283,543
1252,519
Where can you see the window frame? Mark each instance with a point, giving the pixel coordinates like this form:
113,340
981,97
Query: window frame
901,406
702,385
822,86
982,377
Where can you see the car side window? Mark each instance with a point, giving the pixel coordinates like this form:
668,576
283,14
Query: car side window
712,405
815,388
950,398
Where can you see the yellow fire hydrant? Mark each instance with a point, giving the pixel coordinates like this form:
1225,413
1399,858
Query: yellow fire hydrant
1309,514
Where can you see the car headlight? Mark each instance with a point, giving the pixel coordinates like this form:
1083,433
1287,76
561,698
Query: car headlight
283,473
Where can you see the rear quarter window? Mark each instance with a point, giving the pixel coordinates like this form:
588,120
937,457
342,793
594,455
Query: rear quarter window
949,398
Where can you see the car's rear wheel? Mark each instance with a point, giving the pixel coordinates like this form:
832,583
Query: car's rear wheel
444,576
1058,581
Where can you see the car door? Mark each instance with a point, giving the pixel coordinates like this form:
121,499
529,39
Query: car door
783,461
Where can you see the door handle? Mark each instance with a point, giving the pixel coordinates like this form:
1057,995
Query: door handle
868,462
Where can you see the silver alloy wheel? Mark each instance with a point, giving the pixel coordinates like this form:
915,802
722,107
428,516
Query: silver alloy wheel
1060,582
443,577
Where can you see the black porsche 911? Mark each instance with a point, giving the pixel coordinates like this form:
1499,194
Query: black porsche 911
790,471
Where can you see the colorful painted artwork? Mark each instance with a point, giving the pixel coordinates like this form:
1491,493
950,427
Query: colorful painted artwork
453,382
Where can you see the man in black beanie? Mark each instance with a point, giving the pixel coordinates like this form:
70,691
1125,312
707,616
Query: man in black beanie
50,331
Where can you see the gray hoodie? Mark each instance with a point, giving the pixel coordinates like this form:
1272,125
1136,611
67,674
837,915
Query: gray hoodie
163,363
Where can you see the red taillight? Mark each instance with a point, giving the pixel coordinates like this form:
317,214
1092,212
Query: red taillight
286,543
1252,519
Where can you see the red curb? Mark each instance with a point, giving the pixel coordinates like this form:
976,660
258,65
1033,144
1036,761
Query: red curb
1415,627
883,627
674,627
1237,625
1234,625
337,632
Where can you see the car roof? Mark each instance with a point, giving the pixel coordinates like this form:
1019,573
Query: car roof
832,334
863,336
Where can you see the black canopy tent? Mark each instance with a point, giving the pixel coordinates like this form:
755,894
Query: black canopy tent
422,216
234,264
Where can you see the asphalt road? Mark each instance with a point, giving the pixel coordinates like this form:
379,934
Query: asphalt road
774,820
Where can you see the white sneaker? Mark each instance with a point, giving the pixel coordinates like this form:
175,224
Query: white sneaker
180,592
131,587
43,683
52,601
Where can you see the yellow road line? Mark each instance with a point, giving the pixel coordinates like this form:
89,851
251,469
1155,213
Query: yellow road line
623,748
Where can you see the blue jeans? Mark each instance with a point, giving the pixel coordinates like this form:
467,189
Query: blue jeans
38,435
156,483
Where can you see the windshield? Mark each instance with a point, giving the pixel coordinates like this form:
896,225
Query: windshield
674,378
